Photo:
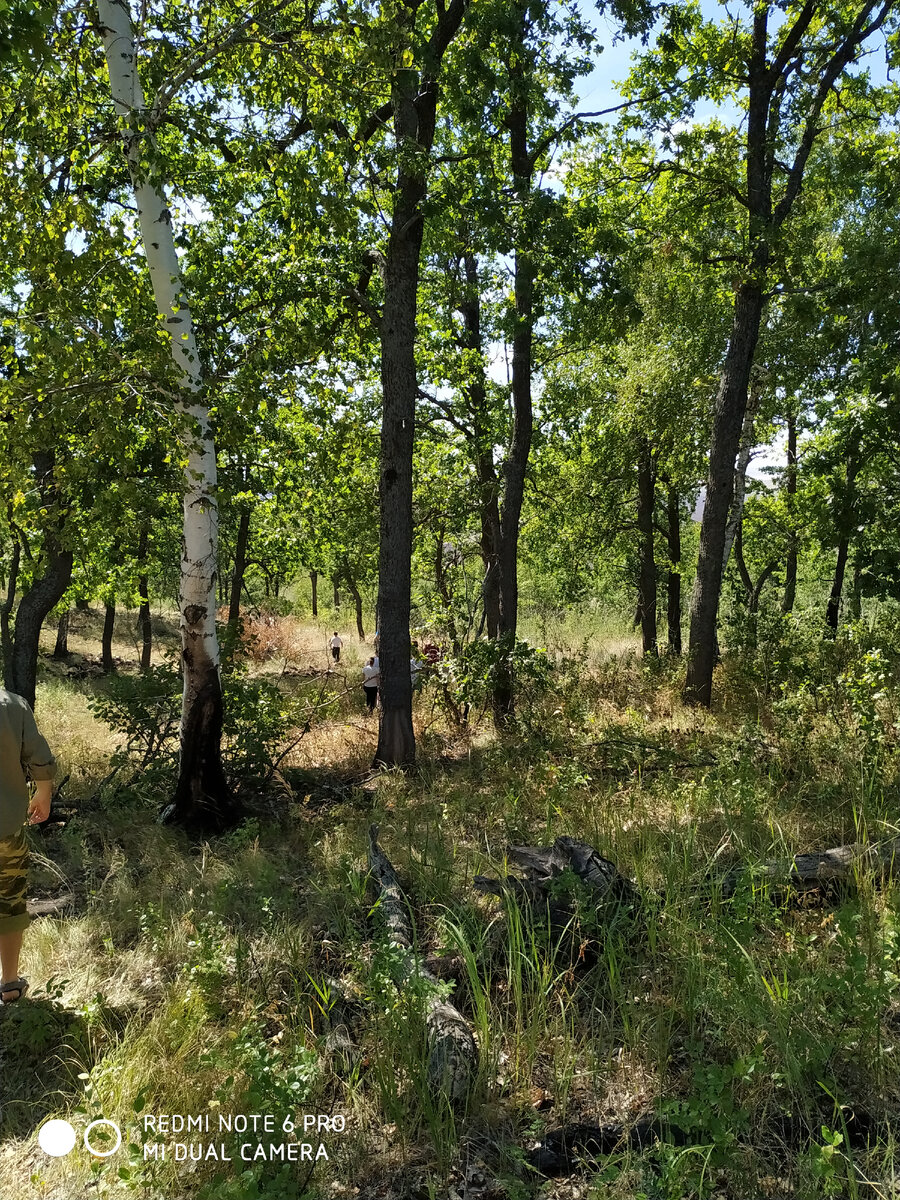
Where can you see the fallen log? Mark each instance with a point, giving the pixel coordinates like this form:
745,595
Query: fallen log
822,868
542,886
571,1148
452,1049
565,1150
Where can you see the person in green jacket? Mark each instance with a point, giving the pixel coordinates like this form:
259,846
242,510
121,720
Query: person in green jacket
23,754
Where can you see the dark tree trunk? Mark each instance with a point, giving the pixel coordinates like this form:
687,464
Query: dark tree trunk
726,433
357,601
240,566
109,623
846,508
673,589
314,584
337,592
45,592
647,569
522,164
43,596
833,612
767,111
764,577
145,625
790,566
203,801
414,99
855,602
6,613
396,740
483,451
61,649
443,587
741,563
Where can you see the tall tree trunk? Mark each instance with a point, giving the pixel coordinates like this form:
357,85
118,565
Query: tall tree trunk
522,164
845,526
43,596
745,449
854,606
6,610
766,114
46,589
61,649
673,583
145,625
483,449
790,566
741,562
443,587
647,570
726,434
202,799
833,612
314,584
109,623
357,600
396,740
337,592
240,566
414,100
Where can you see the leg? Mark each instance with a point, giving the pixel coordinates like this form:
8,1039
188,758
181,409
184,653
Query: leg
10,949
14,918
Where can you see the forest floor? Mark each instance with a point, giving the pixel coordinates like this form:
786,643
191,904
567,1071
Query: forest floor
249,974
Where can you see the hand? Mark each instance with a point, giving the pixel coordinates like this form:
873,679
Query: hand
39,808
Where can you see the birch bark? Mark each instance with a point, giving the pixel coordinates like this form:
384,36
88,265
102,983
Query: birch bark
202,798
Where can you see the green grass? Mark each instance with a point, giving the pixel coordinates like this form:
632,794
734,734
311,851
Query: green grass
188,979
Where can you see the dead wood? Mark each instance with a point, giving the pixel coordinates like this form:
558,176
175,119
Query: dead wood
820,868
453,1052
544,889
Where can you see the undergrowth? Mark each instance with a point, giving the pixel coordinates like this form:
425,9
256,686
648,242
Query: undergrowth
248,974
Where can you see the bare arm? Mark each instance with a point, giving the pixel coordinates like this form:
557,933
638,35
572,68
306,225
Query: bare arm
39,809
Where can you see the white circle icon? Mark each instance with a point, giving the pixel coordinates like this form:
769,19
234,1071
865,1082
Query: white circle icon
56,1138
103,1153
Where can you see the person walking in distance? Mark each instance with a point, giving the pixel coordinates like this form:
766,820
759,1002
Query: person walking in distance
371,682
336,646
23,754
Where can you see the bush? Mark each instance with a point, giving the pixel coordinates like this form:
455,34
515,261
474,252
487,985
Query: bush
146,710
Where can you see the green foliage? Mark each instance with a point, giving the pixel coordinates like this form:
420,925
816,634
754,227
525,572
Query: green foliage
471,676
145,710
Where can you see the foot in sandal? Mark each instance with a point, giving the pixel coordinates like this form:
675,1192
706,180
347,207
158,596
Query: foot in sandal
14,990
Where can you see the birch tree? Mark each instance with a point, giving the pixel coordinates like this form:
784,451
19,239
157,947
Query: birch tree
202,797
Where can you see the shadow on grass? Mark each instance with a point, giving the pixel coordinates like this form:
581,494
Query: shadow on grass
43,1048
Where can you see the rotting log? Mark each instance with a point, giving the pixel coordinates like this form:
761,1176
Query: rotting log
542,889
572,1148
563,1151
821,868
452,1049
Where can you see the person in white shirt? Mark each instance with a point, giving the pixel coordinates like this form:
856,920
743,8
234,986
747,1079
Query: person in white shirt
415,672
371,682
336,645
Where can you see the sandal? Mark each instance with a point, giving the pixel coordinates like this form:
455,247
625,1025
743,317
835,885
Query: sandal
19,986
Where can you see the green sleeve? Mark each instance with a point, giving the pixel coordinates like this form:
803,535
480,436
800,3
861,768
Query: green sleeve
37,758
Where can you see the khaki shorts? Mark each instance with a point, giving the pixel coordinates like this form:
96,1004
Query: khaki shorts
13,881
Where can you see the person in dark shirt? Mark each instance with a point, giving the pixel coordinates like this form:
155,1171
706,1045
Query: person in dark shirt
23,754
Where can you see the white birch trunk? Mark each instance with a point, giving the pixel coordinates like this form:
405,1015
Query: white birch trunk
200,651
